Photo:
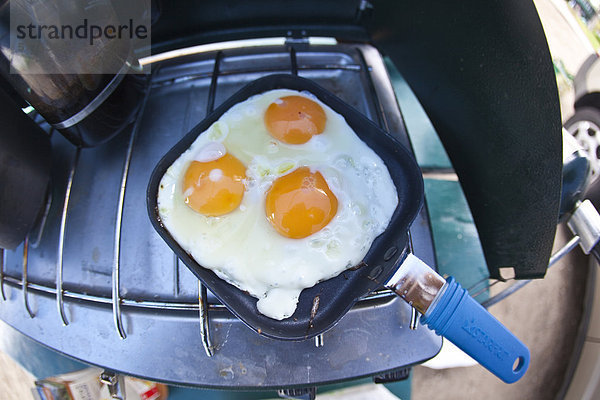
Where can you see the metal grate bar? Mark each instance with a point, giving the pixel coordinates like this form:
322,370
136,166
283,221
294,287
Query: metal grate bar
144,304
293,60
203,307
38,229
319,340
243,71
212,91
149,304
203,304
479,284
116,278
175,274
414,314
414,319
2,261
485,289
381,120
116,272
61,241
25,283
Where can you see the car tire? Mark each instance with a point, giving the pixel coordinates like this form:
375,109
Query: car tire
584,125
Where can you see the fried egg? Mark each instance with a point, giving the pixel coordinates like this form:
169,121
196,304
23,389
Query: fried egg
277,195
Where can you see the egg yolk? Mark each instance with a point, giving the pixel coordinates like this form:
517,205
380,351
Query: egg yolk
300,203
215,187
294,119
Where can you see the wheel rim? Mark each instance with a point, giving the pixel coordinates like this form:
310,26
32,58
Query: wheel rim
587,134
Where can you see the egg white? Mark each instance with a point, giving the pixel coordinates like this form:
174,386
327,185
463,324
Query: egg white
242,247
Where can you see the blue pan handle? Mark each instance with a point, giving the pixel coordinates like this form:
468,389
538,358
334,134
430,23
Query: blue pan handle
460,319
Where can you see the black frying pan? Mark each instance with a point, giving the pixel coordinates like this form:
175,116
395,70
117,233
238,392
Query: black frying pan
446,307
335,296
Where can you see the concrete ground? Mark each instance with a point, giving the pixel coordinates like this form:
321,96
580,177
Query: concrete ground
15,382
545,314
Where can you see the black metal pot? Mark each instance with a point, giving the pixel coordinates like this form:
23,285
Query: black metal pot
25,158
88,105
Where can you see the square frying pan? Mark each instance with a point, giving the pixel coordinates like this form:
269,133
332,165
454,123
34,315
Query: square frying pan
322,305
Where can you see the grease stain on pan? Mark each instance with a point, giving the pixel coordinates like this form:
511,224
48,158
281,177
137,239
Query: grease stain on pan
357,266
313,313
315,307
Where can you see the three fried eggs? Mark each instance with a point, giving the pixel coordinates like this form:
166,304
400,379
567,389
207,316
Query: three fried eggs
277,195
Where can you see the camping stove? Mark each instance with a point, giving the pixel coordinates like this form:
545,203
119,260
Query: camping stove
97,283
